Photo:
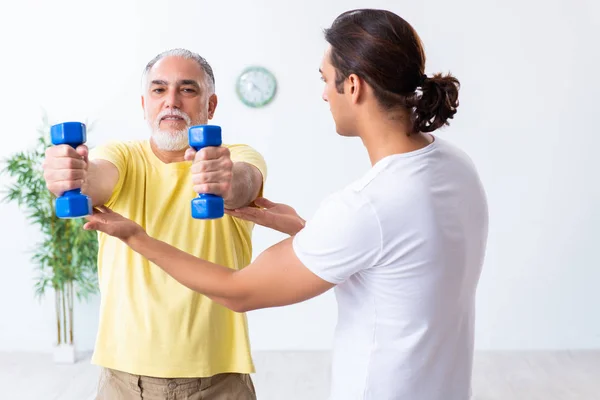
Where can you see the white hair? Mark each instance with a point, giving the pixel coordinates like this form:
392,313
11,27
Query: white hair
183,53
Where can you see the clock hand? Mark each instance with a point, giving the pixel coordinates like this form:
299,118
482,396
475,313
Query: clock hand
256,87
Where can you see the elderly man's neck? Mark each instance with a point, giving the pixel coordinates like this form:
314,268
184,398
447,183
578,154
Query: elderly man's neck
168,156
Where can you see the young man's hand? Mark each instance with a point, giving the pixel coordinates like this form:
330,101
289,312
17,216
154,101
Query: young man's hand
113,224
280,217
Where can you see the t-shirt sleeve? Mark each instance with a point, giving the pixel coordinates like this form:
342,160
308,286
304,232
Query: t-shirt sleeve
247,154
343,238
116,153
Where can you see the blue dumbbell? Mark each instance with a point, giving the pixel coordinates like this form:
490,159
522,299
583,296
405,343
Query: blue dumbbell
206,206
72,204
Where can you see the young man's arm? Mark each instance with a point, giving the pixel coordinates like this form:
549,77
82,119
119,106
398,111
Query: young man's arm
275,278
343,238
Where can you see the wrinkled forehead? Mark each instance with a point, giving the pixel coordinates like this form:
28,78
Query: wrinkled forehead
176,71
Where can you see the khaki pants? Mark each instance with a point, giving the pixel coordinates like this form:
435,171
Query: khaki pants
116,385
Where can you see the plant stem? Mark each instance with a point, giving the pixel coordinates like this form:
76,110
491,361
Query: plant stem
71,312
64,313
57,309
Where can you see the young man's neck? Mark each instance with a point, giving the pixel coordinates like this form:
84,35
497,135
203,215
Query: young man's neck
384,136
167,156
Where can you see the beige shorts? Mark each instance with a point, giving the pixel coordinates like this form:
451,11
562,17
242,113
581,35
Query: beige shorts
116,385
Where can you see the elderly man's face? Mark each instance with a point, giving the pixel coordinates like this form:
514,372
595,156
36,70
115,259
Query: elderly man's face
176,98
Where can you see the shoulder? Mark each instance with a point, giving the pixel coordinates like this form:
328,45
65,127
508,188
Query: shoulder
241,148
119,153
347,215
343,237
117,146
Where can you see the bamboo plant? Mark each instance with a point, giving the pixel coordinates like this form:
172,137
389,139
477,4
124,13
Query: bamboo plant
66,255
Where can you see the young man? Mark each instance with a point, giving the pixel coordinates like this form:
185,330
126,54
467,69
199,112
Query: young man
157,337
403,245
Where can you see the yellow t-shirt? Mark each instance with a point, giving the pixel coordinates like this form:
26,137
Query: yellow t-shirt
150,324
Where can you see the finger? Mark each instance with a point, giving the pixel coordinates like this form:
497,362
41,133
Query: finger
211,165
105,209
233,213
204,166
62,186
248,213
212,153
211,177
263,202
190,154
95,222
62,150
97,210
218,189
52,163
83,151
95,226
55,175
240,215
97,216
90,226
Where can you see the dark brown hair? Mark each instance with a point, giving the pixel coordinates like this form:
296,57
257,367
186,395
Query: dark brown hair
384,50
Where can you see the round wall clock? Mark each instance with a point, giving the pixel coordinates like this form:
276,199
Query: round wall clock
256,86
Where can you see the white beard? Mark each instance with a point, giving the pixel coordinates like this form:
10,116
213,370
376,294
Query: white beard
170,141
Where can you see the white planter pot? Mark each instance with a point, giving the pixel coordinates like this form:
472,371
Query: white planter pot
64,354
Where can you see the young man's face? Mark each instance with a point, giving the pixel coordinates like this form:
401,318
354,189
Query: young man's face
339,103
176,98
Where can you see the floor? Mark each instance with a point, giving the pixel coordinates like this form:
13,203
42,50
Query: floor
565,375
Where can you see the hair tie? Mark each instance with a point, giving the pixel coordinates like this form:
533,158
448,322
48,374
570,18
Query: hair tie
422,79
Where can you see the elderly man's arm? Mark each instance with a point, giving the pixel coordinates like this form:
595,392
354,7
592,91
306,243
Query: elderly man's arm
236,172
246,184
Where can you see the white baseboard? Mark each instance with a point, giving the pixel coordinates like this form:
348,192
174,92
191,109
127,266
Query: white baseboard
305,375
292,375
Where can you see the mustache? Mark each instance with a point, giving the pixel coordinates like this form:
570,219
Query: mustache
172,113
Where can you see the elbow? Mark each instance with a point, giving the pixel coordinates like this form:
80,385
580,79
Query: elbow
239,297
239,305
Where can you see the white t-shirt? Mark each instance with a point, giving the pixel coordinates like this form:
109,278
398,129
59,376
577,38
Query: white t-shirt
405,246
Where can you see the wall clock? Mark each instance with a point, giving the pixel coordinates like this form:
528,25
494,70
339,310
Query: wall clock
256,86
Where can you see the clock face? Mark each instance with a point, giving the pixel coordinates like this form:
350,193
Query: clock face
256,86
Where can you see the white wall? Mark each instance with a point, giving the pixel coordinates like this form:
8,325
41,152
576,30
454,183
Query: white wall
528,107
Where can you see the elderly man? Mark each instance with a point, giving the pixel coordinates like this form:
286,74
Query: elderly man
156,337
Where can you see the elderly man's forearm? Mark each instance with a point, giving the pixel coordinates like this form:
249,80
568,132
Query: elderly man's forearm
246,183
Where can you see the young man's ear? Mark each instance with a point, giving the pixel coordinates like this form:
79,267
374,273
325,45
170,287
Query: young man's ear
354,87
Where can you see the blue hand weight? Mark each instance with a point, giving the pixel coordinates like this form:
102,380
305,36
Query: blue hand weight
72,203
206,206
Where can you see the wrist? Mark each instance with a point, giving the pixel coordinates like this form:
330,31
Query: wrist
136,240
298,226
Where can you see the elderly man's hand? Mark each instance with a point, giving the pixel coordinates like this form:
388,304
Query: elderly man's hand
212,171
